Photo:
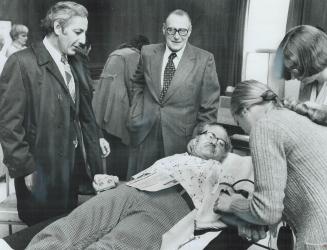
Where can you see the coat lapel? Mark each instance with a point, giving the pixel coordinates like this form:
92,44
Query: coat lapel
44,58
156,66
184,68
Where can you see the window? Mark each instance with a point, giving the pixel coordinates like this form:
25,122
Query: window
264,29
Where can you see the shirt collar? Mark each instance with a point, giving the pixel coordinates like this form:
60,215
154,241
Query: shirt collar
55,54
178,53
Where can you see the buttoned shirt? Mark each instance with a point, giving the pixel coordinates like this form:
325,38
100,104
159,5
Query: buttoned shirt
56,56
176,60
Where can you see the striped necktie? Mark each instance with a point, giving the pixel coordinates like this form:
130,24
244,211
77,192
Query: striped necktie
168,76
69,77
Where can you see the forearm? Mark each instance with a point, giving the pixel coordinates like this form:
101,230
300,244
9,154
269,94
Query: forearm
241,207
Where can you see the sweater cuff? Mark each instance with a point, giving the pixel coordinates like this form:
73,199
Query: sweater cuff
240,206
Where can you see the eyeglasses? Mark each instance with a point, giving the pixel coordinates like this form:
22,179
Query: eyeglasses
214,138
181,32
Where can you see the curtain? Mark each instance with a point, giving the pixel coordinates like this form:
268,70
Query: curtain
312,12
218,26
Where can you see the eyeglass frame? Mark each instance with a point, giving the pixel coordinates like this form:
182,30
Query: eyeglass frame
174,30
206,132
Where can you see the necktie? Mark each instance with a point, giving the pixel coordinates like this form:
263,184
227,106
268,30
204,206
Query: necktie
168,76
69,77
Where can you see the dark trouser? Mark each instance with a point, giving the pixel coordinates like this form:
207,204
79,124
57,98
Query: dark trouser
147,152
117,161
229,239
42,204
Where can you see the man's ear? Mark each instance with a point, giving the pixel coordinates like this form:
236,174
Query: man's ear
244,112
295,73
190,146
57,28
189,31
164,28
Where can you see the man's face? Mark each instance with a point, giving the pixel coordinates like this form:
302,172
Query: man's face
176,42
210,144
72,35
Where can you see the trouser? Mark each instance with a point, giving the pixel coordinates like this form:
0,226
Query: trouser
147,152
117,161
43,202
121,218
229,239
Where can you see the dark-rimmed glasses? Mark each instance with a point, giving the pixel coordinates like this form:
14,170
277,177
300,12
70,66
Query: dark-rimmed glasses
181,32
214,138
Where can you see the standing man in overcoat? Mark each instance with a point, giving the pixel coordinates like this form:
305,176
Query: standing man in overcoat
47,126
176,88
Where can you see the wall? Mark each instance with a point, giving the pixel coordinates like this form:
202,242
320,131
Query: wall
111,22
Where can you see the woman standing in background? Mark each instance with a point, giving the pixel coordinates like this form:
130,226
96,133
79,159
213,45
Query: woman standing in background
289,158
111,102
19,37
302,55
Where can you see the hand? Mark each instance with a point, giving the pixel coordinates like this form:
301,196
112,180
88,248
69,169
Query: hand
29,181
191,146
223,203
105,147
313,105
225,200
252,232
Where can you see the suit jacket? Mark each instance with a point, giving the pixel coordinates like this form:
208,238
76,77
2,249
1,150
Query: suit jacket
192,97
39,120
111,99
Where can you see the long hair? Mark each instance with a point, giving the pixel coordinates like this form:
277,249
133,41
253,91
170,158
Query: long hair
62,12
304,48
252,92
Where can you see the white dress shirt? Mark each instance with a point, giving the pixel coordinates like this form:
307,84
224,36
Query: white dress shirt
56,56
176,60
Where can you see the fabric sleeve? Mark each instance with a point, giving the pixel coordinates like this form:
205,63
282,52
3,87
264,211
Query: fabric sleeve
138,84
210,92
270,175
13,103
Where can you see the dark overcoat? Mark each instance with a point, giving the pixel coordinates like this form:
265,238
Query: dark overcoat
39,122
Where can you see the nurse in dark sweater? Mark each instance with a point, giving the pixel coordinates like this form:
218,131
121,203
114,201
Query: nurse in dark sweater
289,154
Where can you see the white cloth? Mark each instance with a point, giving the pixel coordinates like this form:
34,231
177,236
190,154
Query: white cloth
102,182
189,171
181,236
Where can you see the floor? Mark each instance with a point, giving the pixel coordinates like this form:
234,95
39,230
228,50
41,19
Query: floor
4,231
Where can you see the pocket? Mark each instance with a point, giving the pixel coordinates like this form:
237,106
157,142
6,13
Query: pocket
189,130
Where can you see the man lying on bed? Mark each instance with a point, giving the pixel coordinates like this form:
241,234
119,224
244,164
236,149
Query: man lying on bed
128,218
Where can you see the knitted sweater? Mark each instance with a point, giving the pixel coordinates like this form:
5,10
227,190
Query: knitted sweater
290,170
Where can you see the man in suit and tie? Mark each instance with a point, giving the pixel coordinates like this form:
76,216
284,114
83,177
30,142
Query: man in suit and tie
176,89
47,126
